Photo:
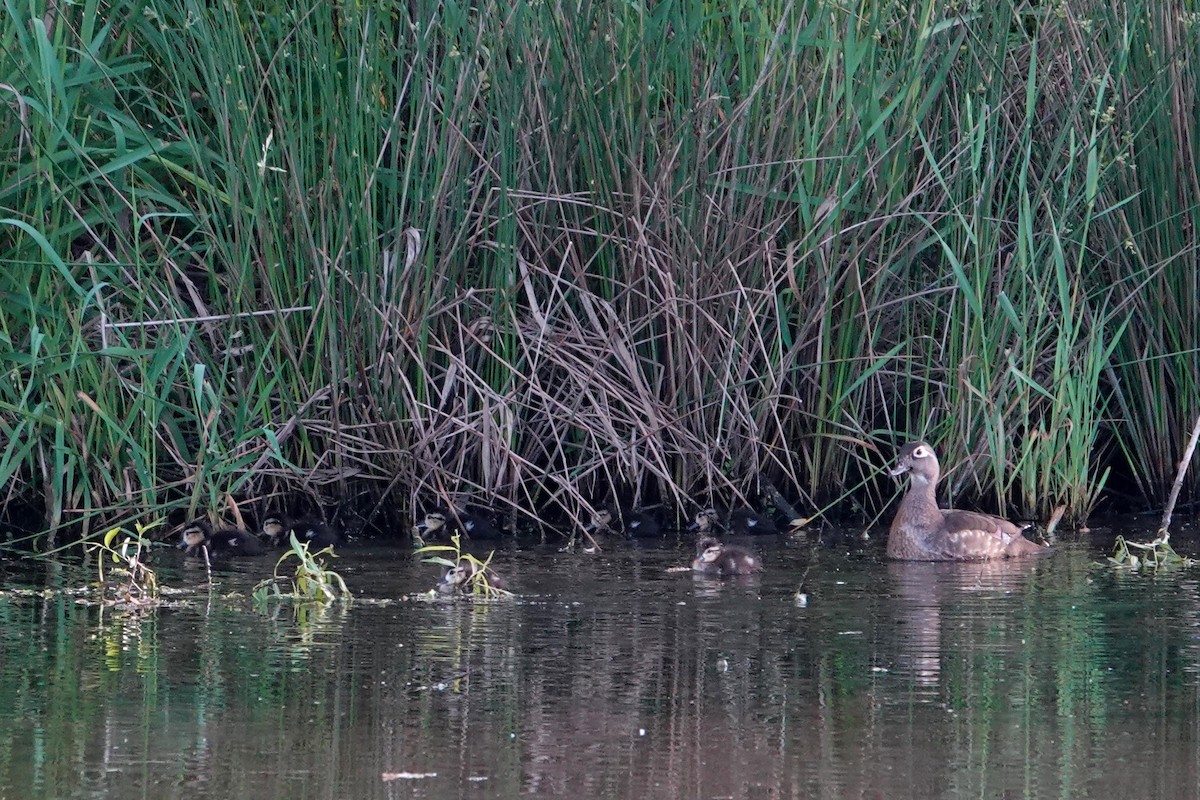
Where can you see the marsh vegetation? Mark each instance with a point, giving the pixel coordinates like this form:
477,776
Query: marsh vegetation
544,254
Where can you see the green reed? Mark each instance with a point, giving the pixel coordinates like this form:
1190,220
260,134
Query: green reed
537,254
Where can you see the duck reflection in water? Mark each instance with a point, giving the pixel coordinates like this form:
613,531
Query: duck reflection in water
969,597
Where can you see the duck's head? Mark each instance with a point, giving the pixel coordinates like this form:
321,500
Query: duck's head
708,550
919,459
601,520
434,521
275,529
194,535
457,578
704,521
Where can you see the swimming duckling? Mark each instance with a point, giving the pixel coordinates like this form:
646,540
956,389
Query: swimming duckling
276,531
314,531
198,535
738,522
635,524
714,558
460,579
444,523
747,521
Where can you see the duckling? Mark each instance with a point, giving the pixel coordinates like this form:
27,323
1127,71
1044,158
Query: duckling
714,558
474,526
194,539
738,522
638,524
318,534
198,535
923,532
747,521
458,580
705,521
276,531
314,531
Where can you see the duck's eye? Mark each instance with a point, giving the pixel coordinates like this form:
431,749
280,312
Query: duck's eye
921,452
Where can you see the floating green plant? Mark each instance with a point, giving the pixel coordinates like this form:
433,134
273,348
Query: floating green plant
466,574
138,585
311,582
1152,555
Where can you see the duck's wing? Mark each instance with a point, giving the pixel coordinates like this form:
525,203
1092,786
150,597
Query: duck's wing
971,536
957,519
738,561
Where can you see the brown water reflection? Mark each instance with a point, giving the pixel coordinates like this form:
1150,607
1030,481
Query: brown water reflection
610,678
919,591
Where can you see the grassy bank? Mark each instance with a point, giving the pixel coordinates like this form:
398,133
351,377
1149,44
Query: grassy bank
534,252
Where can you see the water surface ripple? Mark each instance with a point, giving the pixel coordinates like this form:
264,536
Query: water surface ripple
609,677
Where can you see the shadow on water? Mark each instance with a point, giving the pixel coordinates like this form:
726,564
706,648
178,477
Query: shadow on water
610,677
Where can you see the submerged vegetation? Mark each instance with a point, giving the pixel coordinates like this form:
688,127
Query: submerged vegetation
410,251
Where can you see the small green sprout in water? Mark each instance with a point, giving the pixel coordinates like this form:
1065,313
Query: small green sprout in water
1153,555
139,587
312,581
465,574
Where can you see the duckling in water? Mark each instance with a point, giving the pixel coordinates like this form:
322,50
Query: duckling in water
314,531
635,524
461,579
198,535
738,522
714,558
439,524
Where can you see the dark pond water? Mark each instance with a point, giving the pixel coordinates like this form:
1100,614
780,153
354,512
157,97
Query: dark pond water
609,677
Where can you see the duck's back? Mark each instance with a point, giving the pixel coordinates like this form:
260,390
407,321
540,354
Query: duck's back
960,536
233,542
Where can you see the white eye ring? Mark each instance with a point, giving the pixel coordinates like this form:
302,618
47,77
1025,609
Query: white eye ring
921,452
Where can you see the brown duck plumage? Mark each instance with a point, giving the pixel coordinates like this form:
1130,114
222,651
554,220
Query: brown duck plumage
714,558
923,532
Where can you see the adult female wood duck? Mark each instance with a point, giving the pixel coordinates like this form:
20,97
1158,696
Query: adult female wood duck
715,558
923,532
318,534
198,536
738,522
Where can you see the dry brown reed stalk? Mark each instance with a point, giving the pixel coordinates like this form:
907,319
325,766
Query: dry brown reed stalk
558,266
598,404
